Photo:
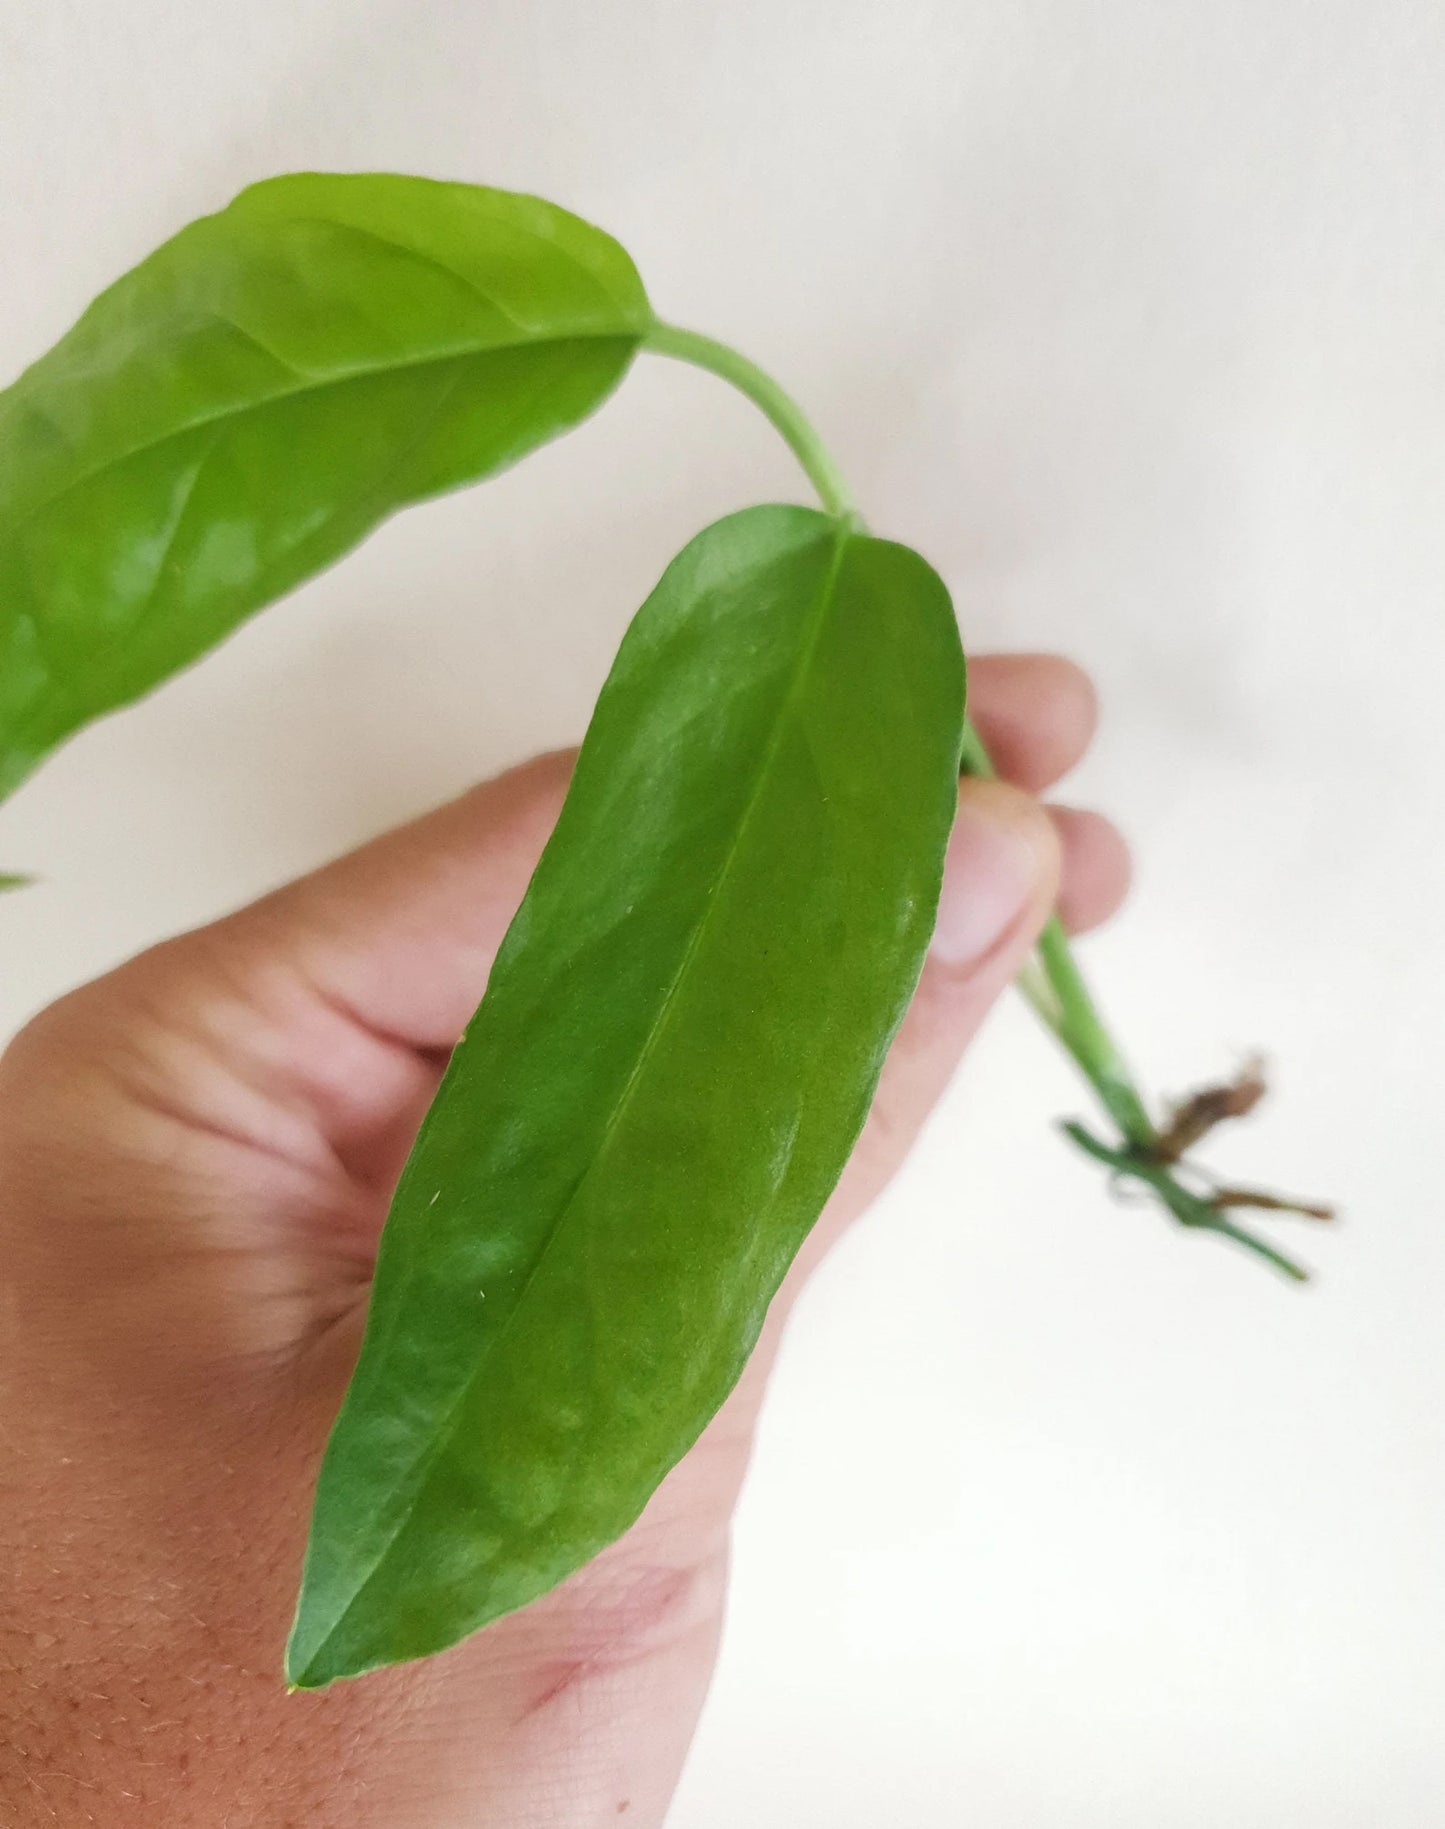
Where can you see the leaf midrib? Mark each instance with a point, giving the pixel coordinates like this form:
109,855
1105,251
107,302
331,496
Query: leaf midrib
265,401
421,1468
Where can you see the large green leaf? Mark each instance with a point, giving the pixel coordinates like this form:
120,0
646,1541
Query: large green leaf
677,1048
246,404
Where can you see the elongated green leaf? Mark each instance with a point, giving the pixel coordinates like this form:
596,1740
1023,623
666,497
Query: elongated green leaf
240,409
676,1051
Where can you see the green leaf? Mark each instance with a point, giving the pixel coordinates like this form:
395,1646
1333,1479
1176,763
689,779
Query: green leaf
246,404
677,1048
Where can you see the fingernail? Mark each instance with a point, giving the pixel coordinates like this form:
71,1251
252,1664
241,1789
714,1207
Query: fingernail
996,857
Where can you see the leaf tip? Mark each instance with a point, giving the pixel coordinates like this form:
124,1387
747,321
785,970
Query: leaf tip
301,1676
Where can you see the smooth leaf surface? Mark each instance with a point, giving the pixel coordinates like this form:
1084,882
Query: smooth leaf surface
677,1048
245,405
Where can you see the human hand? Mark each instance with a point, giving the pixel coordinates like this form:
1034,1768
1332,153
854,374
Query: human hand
196,1155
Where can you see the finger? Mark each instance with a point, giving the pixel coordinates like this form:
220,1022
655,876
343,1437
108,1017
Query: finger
392,945
314,1023
402,932
1000,884
1035,712
1096,867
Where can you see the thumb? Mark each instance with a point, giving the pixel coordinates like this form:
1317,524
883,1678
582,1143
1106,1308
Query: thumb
1000,883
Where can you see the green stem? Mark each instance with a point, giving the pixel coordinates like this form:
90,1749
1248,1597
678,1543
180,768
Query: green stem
1186,1207
1082,1031
1061,999
778,405
1055,987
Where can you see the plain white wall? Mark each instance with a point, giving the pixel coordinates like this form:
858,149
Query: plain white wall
1130,317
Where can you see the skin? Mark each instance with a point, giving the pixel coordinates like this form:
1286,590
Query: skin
196,1153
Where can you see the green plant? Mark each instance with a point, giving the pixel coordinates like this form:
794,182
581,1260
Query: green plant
686,1022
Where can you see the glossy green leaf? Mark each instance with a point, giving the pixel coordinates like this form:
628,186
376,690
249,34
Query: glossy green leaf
677,1047
246,404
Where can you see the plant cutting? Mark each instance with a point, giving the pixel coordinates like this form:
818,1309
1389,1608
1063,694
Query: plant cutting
687,1018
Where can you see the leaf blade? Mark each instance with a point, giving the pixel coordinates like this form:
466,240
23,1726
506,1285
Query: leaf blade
245,405
687,1018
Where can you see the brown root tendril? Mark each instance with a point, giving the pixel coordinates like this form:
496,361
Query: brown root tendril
1192,1120
1203,1111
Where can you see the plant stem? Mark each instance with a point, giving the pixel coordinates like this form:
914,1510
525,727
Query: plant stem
765,393
1055,987
1063,1002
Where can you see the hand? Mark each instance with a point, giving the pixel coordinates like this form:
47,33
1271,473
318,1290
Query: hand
196,1154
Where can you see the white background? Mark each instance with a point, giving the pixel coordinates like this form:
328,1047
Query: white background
1131,317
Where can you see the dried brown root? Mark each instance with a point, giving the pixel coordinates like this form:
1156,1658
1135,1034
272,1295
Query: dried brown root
1205,1110
1221,1199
